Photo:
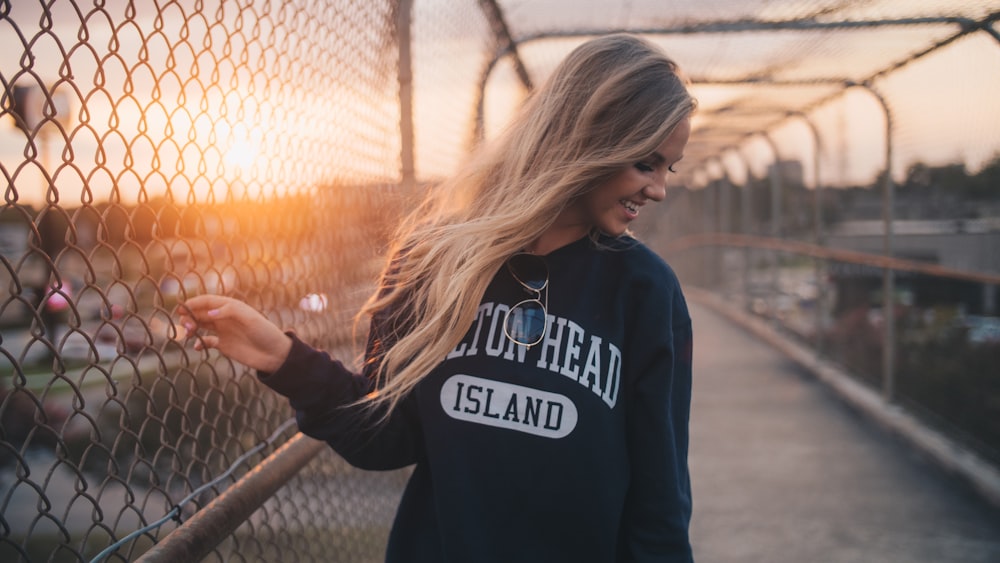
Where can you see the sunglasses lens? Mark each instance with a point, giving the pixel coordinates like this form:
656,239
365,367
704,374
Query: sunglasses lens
525,323
530,270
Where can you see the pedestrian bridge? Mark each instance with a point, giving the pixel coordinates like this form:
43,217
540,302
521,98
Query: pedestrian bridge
786,468
834,223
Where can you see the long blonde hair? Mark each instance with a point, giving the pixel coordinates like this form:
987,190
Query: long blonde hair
609,104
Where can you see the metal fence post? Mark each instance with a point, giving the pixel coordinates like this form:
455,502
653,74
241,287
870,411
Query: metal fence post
404,9
888,274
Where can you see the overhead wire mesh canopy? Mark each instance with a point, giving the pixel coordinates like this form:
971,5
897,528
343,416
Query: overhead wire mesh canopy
757,66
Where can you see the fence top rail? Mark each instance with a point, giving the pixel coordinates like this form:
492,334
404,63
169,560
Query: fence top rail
691,242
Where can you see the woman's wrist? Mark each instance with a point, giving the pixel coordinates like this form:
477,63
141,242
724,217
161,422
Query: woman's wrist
280,355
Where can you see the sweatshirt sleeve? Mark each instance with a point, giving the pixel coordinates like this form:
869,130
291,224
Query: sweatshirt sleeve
322,391
658,503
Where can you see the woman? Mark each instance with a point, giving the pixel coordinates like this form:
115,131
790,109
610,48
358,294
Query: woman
525,353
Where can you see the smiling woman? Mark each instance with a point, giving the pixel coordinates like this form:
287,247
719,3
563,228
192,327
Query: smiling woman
566,342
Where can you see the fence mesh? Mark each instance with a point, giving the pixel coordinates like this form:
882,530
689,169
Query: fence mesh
173,149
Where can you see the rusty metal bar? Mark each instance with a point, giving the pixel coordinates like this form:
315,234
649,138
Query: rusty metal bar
506,43
689,242
197,537
505,46
744,26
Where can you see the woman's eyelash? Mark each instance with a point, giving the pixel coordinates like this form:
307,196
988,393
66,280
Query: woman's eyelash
643,167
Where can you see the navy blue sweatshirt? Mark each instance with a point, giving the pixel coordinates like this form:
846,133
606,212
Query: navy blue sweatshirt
573,450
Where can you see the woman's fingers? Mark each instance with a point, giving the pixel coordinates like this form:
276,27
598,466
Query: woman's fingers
204,307
235,329
197,314
203,342
204,311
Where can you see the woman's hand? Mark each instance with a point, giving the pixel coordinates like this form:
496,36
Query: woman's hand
235,329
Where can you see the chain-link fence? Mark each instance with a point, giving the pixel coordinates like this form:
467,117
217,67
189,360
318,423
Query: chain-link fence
171,149
153,151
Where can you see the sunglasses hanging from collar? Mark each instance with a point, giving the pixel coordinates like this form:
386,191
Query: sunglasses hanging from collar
525,323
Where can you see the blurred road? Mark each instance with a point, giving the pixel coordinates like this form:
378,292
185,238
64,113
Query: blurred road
784,471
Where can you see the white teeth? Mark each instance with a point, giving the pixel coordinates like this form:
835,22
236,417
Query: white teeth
632,207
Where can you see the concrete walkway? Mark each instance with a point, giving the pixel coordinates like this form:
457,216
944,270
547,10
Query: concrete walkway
784,471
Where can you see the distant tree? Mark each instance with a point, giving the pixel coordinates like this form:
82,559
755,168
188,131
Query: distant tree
954,180
986,183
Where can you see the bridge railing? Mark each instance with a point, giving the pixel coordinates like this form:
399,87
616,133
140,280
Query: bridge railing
932,351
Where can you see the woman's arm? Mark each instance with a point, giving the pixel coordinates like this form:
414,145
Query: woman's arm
325,395
658,506
322,391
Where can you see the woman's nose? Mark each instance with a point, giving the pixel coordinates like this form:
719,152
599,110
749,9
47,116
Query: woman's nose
656,190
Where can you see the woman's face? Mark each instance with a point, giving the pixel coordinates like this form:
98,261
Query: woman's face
613,206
